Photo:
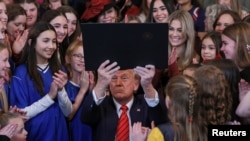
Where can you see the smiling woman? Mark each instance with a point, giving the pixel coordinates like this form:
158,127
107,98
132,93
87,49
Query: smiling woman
159,11
3,13
31,8
59,21
16,32
224,19
74,30
16,21
80,82
41,69
181,41
210,48
101,11
235,46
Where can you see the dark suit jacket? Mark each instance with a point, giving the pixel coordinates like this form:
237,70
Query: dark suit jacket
4,138
104,119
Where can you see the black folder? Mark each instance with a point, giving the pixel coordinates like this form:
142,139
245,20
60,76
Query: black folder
129,44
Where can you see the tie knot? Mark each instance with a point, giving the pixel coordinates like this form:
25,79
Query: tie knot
124,108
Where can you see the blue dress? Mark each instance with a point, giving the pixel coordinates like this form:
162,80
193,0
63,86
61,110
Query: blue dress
78,130
49,125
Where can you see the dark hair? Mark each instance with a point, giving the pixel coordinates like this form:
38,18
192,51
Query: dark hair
14,10
27,1
236,17
215,95
48,16
216,38
109,6
246,19
232,74
193,2
46,3
97,8
168,4
68,9
30,2
29,54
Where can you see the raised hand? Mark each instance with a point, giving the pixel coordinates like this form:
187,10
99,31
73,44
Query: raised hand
19,42
244,87
138,132
8,130
53,90
105,72
91,80
60,78
84,86
20,112
84,81
146,73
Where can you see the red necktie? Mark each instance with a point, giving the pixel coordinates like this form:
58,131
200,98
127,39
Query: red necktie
123,126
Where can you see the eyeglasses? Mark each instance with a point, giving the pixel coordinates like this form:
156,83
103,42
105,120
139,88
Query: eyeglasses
78,56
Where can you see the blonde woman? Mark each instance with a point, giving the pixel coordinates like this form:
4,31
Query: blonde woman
181,42
80,82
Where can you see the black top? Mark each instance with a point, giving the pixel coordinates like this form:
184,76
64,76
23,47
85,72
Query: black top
4,138
245,74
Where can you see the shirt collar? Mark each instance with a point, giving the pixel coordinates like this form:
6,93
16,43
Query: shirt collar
118,106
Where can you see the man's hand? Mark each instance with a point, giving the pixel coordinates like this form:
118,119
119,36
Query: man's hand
146,73
105,72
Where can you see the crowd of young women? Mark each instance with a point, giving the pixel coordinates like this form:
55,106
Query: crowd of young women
43,81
